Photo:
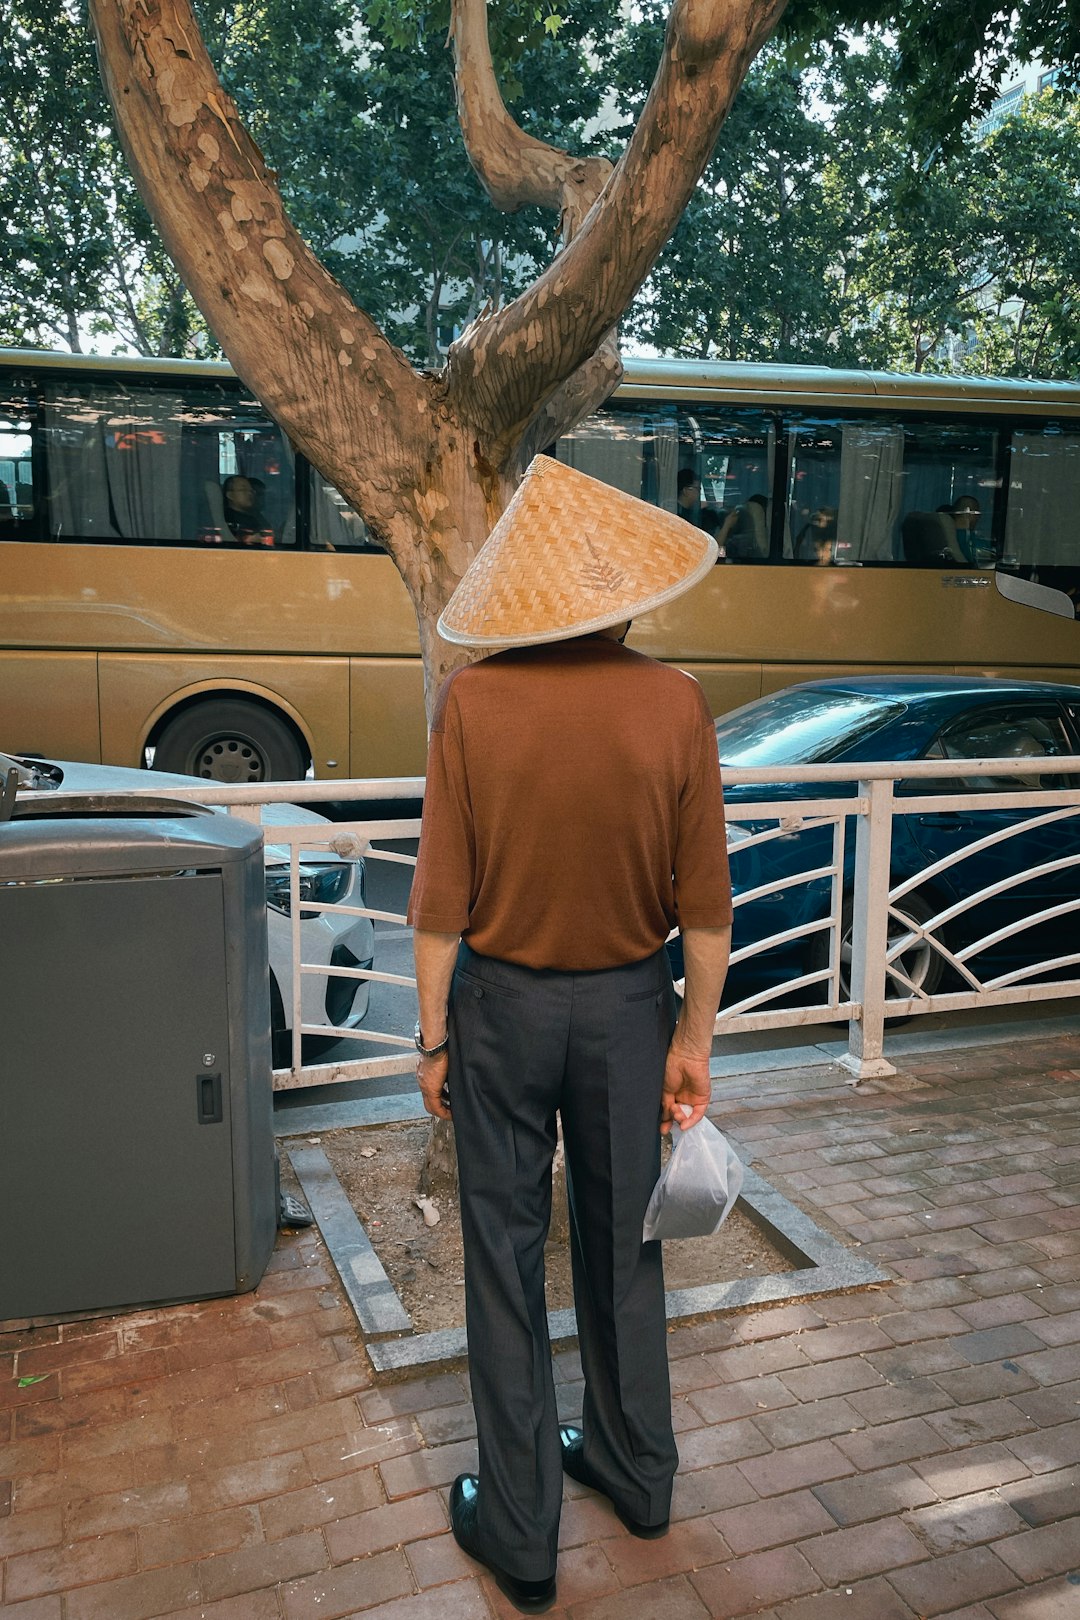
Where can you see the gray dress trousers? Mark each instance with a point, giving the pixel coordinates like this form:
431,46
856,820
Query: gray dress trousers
526,1044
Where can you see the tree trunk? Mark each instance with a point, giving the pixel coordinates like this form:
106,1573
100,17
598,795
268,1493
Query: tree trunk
429,461
438,1174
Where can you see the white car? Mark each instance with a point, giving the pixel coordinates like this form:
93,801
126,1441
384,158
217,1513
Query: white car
327,939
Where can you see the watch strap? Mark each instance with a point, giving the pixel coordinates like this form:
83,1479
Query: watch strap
430,1051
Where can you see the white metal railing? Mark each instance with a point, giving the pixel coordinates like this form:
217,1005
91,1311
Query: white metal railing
861,937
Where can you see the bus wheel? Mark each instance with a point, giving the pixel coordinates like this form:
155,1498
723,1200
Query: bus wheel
228,740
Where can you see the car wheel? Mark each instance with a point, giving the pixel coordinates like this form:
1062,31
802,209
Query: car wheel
921,964
230,740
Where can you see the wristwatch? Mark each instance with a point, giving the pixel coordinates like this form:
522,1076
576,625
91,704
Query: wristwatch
429,1051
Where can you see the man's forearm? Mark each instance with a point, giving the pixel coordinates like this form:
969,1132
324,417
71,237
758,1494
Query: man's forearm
435,956
705,958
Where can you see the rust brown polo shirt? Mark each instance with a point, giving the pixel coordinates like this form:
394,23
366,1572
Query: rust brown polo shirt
573,813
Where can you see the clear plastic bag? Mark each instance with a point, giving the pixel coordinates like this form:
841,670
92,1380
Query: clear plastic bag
697,1187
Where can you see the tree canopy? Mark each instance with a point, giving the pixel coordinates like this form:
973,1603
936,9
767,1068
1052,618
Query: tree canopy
952,55
849,213
78,256
355,113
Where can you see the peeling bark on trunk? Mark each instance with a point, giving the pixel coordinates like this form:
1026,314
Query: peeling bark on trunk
429,461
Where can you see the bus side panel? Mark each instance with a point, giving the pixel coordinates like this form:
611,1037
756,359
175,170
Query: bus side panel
139,688
138,597
388,728
837,619
726,686
49,705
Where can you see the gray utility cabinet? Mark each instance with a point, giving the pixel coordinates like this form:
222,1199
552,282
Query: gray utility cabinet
137,1159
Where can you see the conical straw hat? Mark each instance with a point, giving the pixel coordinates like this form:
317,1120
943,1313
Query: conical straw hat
568,556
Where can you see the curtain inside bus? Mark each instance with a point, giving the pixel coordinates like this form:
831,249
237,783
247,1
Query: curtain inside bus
197,465
1044,500
114,464
871,489
610,446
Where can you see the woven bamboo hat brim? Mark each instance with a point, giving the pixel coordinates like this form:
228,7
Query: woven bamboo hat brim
568,556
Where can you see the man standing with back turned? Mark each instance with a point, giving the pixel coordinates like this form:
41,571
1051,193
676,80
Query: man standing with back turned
573,817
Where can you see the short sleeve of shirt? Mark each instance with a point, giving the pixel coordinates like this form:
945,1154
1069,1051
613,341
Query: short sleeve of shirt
443,882
702,879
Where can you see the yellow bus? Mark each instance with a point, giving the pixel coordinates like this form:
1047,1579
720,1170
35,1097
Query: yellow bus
178,585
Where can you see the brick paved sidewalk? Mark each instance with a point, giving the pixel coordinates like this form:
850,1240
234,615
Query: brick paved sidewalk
910,1450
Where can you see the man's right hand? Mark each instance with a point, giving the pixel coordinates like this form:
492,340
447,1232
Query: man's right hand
687,1089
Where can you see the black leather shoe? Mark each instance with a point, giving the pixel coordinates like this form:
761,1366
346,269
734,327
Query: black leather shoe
530,1597
573,1460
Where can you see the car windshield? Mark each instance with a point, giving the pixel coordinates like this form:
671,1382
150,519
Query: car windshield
800,727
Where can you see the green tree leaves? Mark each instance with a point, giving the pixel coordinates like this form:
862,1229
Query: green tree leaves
849,214
78,257
826,231
354,109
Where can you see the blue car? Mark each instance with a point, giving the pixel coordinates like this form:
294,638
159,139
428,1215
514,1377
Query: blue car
889,718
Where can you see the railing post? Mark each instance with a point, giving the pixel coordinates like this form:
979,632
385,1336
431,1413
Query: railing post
251,813
870,932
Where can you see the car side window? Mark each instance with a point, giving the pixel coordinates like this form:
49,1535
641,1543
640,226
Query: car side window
1016,733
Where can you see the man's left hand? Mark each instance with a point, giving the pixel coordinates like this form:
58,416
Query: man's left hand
687,1089
431,1073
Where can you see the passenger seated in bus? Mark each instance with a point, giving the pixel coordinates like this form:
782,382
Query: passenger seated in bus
236,516
720,524
929,540
817,539
242,508
717,524
747,536
965,514
687,494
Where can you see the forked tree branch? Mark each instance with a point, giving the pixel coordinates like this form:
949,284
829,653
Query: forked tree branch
503,370
291,331
515,169
583,391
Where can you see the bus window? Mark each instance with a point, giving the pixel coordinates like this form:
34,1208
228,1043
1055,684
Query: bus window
17,502
844,488
113,462
874,490
333,524
238,480
950,480
154,464
732,454
1041,526
635,449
